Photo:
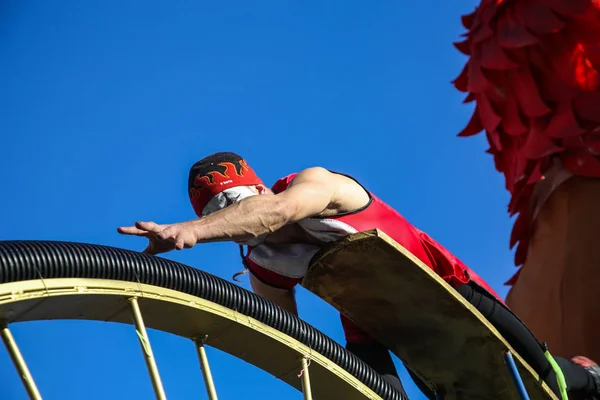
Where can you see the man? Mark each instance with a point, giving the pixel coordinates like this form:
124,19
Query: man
286,225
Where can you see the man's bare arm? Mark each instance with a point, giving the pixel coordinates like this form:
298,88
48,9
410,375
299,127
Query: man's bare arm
311,192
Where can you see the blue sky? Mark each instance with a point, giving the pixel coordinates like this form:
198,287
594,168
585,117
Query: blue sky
105,105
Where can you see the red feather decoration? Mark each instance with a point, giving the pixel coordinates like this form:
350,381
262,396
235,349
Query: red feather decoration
533,72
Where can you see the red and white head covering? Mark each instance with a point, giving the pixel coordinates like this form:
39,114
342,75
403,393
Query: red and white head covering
218,180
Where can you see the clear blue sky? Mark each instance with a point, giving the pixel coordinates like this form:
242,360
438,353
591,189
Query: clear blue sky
104,106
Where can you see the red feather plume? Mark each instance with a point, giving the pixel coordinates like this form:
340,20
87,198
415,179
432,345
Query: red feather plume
533,72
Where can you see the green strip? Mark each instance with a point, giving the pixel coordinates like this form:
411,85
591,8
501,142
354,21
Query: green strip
560,377
145,343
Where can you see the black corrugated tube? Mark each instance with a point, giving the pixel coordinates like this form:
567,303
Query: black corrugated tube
22,260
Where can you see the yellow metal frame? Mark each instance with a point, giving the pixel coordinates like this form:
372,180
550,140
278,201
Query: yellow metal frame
186,316
19,362
208,379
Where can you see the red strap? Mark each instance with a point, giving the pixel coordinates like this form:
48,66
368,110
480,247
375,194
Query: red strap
271,278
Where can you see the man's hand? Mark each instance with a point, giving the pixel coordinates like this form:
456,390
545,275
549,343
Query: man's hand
163,238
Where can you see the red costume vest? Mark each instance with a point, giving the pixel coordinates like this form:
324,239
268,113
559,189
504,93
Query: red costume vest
285,268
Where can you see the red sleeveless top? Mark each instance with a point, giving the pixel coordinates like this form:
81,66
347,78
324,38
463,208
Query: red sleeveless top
376,214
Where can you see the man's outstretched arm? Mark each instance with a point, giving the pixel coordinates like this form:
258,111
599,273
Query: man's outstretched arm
310,193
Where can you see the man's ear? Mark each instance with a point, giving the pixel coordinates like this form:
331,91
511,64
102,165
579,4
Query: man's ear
262,189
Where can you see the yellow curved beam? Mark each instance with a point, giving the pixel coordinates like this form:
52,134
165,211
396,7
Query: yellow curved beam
183,315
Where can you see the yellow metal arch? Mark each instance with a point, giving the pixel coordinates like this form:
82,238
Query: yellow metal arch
181,314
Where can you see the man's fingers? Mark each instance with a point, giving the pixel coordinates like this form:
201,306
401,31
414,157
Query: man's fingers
179,243
166,234
141,229
184,241
132,230
149,226
163,238
151,249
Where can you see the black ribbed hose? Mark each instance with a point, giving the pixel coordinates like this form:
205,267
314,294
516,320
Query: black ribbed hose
22,260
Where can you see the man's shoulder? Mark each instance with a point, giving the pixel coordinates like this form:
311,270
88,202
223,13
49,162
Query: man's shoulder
312,173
